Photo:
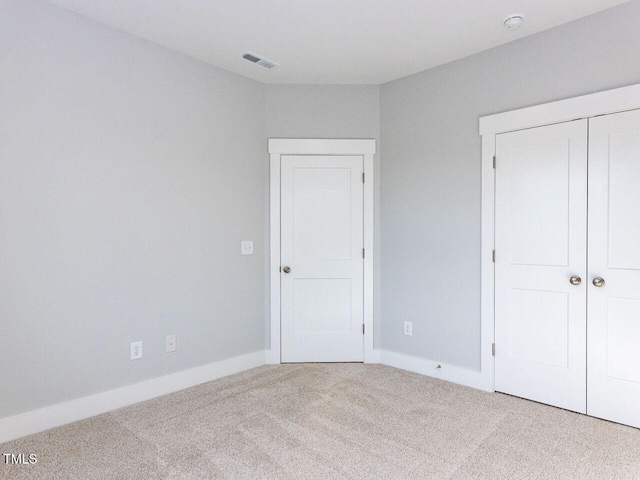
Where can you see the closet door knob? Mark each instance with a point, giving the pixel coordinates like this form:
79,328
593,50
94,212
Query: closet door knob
575,280
286,269
598,282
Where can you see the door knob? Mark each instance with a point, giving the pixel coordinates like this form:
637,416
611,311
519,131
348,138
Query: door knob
598,281
286,269
575,280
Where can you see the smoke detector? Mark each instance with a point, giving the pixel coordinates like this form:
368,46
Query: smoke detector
513,21
258,60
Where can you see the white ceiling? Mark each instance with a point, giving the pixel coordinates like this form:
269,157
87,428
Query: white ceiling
331,41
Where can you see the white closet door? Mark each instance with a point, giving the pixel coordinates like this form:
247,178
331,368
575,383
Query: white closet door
614,256
540,240
322,279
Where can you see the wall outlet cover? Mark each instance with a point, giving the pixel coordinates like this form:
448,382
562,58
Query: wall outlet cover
136,350
408,328
171,343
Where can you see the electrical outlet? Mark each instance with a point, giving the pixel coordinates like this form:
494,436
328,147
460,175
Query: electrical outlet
136,350
408,328
171,343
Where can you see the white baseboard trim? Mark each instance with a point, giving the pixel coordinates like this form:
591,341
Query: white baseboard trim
373,357
272,357
36,421
450,373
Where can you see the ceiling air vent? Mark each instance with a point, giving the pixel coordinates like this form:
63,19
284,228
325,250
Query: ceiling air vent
263,62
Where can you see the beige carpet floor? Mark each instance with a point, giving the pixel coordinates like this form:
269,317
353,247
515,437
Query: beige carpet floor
332,421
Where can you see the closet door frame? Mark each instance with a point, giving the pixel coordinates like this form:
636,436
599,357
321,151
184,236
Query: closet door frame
586,106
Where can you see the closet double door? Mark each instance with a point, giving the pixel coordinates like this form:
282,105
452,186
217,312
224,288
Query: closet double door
567,265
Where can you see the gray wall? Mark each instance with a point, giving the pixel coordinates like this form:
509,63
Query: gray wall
322,111
430,190
331,111
129,174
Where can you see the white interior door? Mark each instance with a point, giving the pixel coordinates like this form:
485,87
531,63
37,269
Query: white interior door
322,258
540,243
614,255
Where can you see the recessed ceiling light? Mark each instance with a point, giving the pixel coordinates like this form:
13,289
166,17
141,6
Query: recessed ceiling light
258,60
513,21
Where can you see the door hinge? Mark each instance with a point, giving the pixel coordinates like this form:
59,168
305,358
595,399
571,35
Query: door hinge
362,177
363,328
493,349
363,253
493,256
494,161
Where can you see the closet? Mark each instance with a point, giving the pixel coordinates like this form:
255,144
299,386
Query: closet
567,264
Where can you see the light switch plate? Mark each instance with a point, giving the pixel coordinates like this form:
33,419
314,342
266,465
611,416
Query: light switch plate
246,247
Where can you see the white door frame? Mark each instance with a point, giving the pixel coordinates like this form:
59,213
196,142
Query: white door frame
297,146
586,106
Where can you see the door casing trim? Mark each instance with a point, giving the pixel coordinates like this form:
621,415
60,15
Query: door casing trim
585,106
299,146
